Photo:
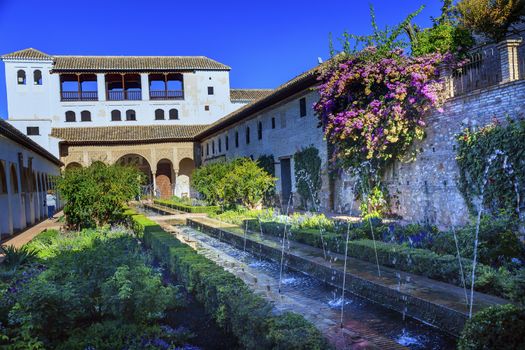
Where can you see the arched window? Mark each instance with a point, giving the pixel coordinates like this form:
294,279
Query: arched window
236,139
37,77
227,143
259,130
220,145
159,114
85,116
174,114
70,116
248,135
116,115
21,77
130,115
3,179
14,180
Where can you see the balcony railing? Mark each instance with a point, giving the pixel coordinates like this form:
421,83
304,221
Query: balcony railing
79,96
124,95
166,94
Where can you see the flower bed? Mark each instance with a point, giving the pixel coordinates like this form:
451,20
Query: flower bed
227,298
442,267
187,207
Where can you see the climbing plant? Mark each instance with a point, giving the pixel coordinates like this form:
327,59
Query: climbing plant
307,172
267,162
494,153
373,103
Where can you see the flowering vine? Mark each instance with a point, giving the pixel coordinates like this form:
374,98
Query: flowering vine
373,106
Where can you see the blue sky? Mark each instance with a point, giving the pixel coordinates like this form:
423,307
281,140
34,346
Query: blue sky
265,42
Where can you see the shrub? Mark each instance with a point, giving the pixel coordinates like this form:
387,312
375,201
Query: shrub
187,208
496,327
240,181
307,169
228,299
443,38
97,195
14,257
492,18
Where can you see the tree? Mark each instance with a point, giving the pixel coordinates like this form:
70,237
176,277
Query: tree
97,195
492,18
247,183
207,180
307,171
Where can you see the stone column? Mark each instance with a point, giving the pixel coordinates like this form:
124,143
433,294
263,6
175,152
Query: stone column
144,86
101,86
508,53
154,176
175,182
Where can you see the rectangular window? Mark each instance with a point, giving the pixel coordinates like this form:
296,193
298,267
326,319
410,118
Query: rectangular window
273,122
227,143
302,107
210,90
206,108
32,130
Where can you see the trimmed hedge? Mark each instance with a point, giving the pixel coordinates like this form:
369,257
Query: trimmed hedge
187,208
496,327
418,261
231,303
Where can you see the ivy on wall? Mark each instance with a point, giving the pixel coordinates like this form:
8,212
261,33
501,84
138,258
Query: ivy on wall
494,154
307,172
267,162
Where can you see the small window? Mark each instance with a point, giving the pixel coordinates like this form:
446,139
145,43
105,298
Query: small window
32,130
159,114
259,130
206,108
116,115
174,114
236,139
273,122
302,107
220,145
210,90
202,150
37,77
213,147
248,135
70,116
130,115
207,149
85,116
21,77
227,143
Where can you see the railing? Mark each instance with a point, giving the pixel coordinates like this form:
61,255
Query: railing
482,70
124,95
166,94
79,96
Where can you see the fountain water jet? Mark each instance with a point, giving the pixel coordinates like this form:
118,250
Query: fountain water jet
346,259
282,247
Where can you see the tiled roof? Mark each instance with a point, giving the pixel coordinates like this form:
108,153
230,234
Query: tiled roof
135,63
127,134
14,134
295,85
248,94
120,63
29,54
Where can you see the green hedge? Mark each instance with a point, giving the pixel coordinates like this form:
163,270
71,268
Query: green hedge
496,327
232,304
418,261
186,207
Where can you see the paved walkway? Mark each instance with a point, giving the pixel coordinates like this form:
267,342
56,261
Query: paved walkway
25,236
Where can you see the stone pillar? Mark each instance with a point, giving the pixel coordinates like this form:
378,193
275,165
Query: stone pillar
101,86
154,176
175,183
144,86
508,53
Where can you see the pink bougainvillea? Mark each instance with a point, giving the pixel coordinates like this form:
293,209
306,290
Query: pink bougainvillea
373,108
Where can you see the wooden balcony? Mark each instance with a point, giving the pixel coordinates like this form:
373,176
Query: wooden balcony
79,96
166,94
124,95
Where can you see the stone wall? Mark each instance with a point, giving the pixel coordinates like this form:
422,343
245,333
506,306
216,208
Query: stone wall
425,190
